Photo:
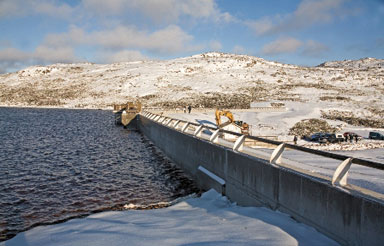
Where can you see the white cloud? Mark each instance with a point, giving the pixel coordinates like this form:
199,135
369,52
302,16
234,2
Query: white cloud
159,11
12,55
11,8
122,43
169,40
282,45
101,27
121,56
290,45
163,11
238,49
215,45
47,54
106,7
11,58
314,49
56,9
311,11
48,8
308,13
262,26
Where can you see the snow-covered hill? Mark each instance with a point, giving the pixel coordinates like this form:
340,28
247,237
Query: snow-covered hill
361,64
190,80
206,80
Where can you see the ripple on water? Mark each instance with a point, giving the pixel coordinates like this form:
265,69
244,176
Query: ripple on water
58,164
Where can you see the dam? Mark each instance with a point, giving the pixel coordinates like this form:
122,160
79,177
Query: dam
348,214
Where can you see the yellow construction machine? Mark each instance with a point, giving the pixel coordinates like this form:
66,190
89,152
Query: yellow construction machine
243,126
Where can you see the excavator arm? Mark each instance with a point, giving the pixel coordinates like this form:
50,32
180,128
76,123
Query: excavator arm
244,126
225,113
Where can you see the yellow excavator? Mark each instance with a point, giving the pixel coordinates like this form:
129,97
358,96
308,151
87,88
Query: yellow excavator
244,126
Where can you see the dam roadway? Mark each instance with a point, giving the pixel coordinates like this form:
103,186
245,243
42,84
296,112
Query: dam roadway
349,214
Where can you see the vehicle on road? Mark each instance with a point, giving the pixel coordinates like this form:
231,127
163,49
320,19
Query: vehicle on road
334,138
318,137
376,135
323,137
340,138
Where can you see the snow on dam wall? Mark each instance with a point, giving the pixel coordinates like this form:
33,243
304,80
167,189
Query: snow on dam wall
252,181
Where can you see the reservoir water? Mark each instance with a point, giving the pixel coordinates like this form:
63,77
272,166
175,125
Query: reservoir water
57,164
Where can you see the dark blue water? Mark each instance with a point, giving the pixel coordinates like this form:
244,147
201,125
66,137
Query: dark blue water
57,164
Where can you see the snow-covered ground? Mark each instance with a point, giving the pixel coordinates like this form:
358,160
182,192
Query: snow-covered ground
228,79
214,80
208,220
277,124
207,80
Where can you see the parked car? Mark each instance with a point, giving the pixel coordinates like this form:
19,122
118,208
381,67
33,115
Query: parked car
334,138
340,138
320,137
323,137
316,136
376,135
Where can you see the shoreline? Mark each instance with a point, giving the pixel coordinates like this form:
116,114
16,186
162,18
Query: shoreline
50,107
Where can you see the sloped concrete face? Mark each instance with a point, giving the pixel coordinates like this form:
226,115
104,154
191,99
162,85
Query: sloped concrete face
254,177
350,219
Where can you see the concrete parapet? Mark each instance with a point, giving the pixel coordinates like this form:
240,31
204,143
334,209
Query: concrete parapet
209,110
346,216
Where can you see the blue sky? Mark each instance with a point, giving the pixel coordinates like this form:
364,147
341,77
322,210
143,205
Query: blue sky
302,32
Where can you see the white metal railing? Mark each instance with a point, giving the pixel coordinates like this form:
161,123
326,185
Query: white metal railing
339,177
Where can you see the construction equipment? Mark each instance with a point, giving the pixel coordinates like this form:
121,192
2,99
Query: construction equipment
243,125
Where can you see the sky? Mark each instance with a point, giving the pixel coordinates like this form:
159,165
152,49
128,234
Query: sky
301,32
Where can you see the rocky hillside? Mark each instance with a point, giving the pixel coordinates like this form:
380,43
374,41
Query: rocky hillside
361,64
206,80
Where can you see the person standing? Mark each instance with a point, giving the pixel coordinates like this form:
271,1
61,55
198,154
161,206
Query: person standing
295,139
189,109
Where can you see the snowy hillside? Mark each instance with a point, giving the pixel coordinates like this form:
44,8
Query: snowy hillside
361,64
333,90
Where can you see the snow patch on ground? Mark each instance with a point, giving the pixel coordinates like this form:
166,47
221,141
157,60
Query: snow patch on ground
208,220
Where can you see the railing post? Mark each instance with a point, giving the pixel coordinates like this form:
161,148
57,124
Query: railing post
341,174
276,154
185,127
197,133
169,121
165,121
214,137
238,146
176,123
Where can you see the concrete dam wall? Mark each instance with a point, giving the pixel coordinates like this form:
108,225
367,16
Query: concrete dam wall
349,218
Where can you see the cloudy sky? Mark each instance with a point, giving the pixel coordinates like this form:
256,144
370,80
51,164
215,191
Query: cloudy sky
303,32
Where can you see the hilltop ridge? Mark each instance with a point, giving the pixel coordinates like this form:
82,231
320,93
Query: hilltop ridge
360,64
208,80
